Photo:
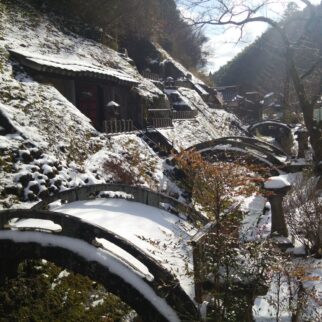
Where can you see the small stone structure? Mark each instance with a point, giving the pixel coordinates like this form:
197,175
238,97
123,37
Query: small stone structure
277,188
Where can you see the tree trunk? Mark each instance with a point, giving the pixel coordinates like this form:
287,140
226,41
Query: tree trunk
314,130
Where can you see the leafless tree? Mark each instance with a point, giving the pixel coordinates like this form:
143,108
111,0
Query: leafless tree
241,12
303,212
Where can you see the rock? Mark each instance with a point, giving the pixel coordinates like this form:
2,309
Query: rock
58,183
178,174
24,179
53,189
26,156
34,188
174,195
170,162
13,190
44,194
62,148
36,153
32,197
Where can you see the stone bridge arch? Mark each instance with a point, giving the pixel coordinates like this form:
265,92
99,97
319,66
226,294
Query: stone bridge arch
233,148
137,194
280,131
270,128
154,293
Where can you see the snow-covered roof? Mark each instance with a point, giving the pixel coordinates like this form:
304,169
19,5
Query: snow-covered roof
69,66
179,67
201,90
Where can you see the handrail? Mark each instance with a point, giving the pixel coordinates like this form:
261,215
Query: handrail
140,194
244,146
77,228
268,122
256,142
164,283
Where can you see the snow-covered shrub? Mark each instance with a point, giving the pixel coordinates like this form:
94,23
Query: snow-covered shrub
303,212
120,174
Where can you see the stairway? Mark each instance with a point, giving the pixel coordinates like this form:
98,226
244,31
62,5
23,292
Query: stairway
158,142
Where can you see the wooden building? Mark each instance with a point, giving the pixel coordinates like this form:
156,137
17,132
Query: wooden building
104,95
229,95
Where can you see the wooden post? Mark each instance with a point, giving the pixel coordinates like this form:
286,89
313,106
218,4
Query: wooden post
197,276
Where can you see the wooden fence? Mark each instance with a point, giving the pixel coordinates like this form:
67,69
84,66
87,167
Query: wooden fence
159,113
115,126
161,122
180,115
150,75
156,117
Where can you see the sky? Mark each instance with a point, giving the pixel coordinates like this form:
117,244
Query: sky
224,43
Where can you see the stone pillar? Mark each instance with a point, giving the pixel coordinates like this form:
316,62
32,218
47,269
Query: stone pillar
278,219
277,187
302,139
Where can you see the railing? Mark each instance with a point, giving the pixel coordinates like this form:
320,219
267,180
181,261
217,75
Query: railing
150,75
181,115
159,113
14,250
138,194
116,126
161,122
184,83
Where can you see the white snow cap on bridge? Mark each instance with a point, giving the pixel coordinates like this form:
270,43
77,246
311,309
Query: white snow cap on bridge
98,255
156,232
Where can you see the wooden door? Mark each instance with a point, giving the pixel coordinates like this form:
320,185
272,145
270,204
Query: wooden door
88,101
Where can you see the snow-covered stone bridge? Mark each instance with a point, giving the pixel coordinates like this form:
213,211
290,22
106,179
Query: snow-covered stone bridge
132,240
243,148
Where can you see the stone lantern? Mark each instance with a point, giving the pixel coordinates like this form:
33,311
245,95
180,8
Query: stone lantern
277,187
302,139
113,109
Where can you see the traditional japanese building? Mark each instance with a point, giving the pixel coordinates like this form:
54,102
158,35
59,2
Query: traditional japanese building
104,95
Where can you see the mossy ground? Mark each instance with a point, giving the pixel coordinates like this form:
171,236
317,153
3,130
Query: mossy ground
39,293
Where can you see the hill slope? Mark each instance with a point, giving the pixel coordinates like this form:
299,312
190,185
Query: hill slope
49,145
261,66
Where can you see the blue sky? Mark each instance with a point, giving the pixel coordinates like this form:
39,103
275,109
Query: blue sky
223,43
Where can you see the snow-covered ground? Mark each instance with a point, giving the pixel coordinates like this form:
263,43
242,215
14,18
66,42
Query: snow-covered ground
281,300
209,123
55,146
